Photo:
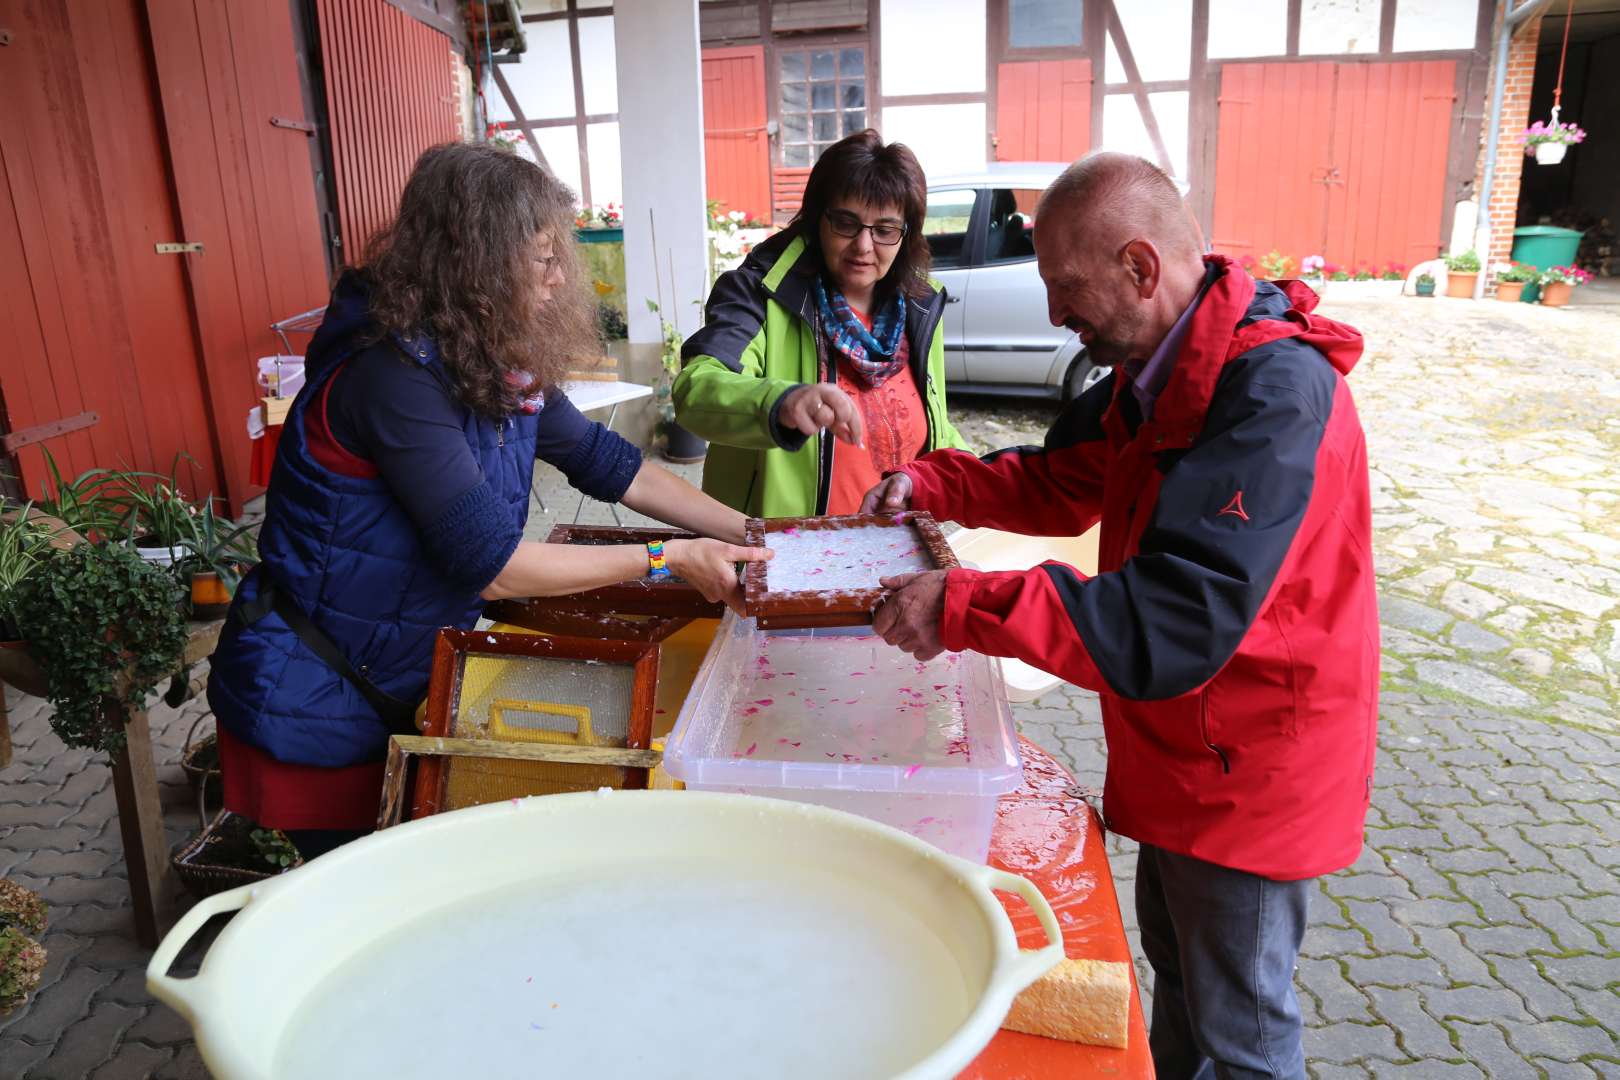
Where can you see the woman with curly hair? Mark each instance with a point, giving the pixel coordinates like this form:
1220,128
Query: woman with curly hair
821,366
401,487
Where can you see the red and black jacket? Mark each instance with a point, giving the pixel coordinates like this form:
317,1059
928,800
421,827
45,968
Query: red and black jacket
1232,628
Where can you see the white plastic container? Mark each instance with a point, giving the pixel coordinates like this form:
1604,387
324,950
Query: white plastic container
839,719
648,934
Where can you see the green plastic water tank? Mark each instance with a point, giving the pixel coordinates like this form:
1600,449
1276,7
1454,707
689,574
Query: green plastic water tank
1542,246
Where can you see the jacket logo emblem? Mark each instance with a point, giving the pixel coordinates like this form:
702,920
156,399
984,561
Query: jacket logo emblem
1235,507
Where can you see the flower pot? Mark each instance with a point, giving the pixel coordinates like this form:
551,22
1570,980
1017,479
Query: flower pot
1556,293
1424,288
1460,285
1550,153
210,598
683,447
1510,291
153,550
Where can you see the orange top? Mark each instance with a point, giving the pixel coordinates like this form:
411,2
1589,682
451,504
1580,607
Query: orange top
895,422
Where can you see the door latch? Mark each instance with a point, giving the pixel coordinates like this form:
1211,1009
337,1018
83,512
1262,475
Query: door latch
179,249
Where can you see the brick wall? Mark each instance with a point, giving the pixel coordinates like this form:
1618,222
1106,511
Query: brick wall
1521,75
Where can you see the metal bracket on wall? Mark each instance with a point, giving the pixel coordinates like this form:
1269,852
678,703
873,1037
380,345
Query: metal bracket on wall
294,125
28,436
179,249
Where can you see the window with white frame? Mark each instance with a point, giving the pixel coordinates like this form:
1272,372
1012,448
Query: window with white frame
823,99
568,123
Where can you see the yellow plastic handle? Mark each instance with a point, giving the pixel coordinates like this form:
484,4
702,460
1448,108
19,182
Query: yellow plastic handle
178,993
1031,963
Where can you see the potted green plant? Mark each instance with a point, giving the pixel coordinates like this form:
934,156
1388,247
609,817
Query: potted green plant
87,504
1275,265
105,625
216,555
25,543
1462,271
1548,143
1557,282
680,445
1511,279
156,518
1424,286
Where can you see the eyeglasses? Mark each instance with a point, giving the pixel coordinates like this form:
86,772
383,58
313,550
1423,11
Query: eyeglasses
843,223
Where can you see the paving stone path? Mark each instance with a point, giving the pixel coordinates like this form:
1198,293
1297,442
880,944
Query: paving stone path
1479,933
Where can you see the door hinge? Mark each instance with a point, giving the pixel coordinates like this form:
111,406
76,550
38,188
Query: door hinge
295,125
179,249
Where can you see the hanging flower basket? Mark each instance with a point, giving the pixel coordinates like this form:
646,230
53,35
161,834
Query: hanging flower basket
1548,143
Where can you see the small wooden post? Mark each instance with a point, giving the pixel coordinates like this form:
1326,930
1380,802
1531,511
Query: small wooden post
140,820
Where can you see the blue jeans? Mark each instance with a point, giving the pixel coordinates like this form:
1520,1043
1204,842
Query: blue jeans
1223,944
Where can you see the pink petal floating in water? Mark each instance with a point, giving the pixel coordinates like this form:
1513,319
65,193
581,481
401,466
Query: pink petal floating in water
751,748
940,685
765,701
925,821
912,771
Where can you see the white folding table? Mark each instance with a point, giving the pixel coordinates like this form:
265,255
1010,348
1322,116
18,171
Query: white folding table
589,394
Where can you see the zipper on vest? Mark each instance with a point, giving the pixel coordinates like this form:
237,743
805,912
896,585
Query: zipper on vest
1203,731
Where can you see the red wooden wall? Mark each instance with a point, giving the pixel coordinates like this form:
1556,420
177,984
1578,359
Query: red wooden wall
1043,110
92,318
1342,160
389,96
736,150
245,190
127,125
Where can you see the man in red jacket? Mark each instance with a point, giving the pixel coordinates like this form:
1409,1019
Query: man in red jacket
1231,631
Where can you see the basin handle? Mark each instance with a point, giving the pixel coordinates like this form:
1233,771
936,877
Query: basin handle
1030,964
179,994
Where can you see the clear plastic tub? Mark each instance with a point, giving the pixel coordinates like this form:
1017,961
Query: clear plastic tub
838,718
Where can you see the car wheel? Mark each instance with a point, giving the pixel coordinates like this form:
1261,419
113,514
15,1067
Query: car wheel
1083,375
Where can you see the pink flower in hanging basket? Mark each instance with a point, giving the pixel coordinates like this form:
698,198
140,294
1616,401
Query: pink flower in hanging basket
1540,132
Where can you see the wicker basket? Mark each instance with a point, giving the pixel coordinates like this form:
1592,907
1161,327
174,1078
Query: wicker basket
202,877
205,780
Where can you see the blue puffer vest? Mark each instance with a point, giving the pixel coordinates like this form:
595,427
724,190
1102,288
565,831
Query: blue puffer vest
347,552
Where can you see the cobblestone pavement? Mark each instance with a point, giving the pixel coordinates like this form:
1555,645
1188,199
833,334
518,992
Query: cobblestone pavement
1479,933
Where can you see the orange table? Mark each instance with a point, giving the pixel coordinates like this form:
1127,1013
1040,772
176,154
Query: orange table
1047,833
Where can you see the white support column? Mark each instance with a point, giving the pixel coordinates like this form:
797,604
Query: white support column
661,143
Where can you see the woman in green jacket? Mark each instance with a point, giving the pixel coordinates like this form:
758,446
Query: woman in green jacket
821,365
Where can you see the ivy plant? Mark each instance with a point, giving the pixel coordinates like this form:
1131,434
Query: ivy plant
90,615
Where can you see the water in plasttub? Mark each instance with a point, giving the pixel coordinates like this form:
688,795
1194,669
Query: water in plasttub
836,560
667,969
851,699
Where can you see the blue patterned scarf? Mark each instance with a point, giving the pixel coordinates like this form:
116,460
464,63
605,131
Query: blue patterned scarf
873,355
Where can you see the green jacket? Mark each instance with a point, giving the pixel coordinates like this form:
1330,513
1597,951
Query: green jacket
760,341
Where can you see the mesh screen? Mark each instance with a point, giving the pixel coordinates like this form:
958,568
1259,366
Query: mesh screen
537,700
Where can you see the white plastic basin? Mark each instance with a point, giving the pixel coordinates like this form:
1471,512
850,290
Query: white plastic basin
648,934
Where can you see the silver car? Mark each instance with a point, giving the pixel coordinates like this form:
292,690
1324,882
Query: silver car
997,336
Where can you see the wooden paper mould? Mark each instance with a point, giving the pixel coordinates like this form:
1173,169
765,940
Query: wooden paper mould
671,597
437,748
849,607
